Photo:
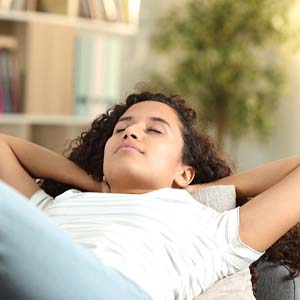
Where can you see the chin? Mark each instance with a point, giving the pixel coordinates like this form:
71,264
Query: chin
130,176
124,170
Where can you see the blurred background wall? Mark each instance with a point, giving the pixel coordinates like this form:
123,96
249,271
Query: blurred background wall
137,60
249,151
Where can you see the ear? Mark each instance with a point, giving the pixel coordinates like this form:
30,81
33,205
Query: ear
184,177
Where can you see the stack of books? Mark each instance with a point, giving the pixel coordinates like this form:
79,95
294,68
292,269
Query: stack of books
111,10
126,11
71,73
97,74
9,94
17,5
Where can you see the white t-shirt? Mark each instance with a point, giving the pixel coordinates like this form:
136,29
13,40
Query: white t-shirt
170,245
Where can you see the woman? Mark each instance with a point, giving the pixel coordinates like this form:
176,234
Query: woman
150,238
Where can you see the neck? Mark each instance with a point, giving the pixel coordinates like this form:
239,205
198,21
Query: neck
119,190
122,187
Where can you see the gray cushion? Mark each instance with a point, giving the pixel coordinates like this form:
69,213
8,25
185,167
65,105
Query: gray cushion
218,197
273,283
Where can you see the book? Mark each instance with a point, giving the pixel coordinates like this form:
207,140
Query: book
110,10
18,5
9,74
97,9
97,89
31,5
5,4
83,64
100,14
85,9
123,4
1,86
14,83
73,8
54,6
133,8
1,98
112,70
97,74
5,81
92,8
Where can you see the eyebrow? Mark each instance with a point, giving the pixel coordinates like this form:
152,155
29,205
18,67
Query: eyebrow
155,119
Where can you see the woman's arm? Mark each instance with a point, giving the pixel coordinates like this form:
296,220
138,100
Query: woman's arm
21,161
268,216
255,181
275,207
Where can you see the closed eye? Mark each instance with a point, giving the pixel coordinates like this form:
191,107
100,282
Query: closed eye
149,129
154,130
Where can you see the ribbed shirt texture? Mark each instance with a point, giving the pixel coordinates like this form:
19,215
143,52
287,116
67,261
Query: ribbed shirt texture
172,246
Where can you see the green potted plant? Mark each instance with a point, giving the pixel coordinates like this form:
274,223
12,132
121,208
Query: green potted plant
221,54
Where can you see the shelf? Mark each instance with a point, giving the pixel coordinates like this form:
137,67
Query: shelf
39,41
51,120
98,26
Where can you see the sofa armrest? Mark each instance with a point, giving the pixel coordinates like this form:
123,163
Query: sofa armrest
274,283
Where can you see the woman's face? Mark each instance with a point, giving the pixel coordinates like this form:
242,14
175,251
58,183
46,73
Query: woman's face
144,152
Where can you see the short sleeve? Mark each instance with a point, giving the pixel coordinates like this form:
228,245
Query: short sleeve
237,253
41,199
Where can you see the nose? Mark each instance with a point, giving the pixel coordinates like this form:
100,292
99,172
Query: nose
132,132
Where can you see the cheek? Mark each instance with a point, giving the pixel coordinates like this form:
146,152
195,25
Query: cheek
167,154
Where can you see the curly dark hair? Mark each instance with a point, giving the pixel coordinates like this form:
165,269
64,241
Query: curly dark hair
285,252
199,151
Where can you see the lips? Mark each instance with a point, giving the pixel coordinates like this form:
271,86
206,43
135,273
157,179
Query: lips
130,145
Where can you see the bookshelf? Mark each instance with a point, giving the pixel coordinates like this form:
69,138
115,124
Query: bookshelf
80,23
62,60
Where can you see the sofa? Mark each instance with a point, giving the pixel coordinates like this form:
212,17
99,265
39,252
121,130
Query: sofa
273,280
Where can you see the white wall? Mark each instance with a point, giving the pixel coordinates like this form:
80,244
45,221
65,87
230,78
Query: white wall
138,58
284,140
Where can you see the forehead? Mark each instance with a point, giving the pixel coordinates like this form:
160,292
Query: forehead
150,108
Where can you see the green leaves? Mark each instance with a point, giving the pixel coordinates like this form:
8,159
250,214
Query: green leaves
218,57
